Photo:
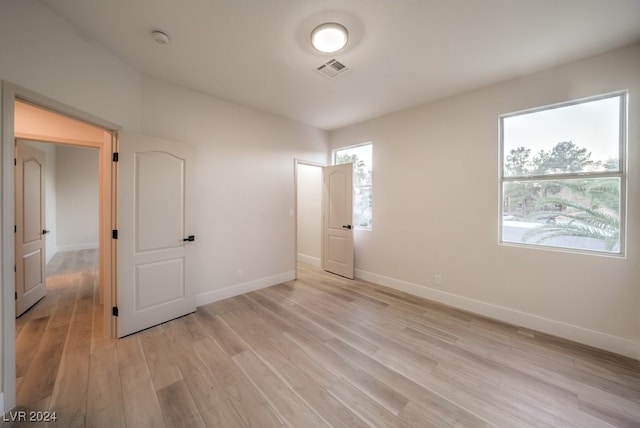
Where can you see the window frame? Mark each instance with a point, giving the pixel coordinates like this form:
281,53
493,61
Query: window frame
621,174
334,154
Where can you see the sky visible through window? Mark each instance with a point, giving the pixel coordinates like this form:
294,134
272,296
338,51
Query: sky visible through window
593,125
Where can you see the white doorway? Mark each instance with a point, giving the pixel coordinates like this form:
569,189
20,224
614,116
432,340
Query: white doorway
318,241
309,214
105,141
71,188
56,209
307,184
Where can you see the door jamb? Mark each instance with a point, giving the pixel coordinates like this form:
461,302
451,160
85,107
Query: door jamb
108,221
297,162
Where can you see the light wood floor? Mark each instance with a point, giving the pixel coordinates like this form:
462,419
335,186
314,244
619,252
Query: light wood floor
320,351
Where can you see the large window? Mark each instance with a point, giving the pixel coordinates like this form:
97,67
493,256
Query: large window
562,175
362,158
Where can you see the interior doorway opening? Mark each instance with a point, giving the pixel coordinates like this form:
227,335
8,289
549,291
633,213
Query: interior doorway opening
50,122
60,215
309,214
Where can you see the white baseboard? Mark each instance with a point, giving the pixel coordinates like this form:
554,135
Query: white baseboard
77,247
245,287
315,261
616,344
50,255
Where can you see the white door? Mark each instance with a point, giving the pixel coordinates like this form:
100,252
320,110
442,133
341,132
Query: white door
337,254
30,230
154,215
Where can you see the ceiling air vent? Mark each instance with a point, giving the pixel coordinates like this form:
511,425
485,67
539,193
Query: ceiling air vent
332,68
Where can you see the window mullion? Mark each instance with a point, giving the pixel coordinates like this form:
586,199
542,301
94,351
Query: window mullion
569,176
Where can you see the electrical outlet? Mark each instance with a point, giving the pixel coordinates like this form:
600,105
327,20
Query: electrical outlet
239,273
437,280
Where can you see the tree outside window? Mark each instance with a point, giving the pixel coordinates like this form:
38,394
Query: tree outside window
361,157
562,175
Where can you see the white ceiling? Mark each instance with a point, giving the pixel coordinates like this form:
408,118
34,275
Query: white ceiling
400,52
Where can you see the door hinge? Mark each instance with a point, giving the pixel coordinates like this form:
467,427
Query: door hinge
114,234
114,311
15,228
15,268
15,162
116,156
16,295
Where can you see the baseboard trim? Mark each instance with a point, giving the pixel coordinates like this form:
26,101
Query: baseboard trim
77,247
607,342
245,287
51,254
309,260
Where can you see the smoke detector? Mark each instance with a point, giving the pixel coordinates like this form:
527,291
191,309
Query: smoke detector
160,36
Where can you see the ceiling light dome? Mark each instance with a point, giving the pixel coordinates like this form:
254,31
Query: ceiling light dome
329,37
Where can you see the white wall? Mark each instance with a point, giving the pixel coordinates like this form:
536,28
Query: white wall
444,158
77,198
245,157
50,197
309,214
244,182
42,52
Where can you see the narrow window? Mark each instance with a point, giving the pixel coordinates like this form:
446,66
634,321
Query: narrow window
362,158
563,177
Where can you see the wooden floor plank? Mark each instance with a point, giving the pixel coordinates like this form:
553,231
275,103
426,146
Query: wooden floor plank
162,369
226,337
332,411
383,394
69,398
433,404
140,402
105,407
224,415
366,408
254,410
319,351
202,384
27,341
39,380
178,407
294,411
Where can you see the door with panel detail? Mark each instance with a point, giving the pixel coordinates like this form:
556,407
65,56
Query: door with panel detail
338,254
154,232
30,277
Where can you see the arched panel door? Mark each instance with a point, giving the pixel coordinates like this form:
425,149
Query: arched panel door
30,278
154,243
338,255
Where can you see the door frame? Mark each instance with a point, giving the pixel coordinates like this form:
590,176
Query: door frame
108,219
297,162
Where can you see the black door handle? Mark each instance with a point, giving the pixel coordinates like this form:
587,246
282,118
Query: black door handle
45,231
189,238
347,226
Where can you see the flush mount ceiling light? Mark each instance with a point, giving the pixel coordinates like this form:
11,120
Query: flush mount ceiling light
329,37
160,36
